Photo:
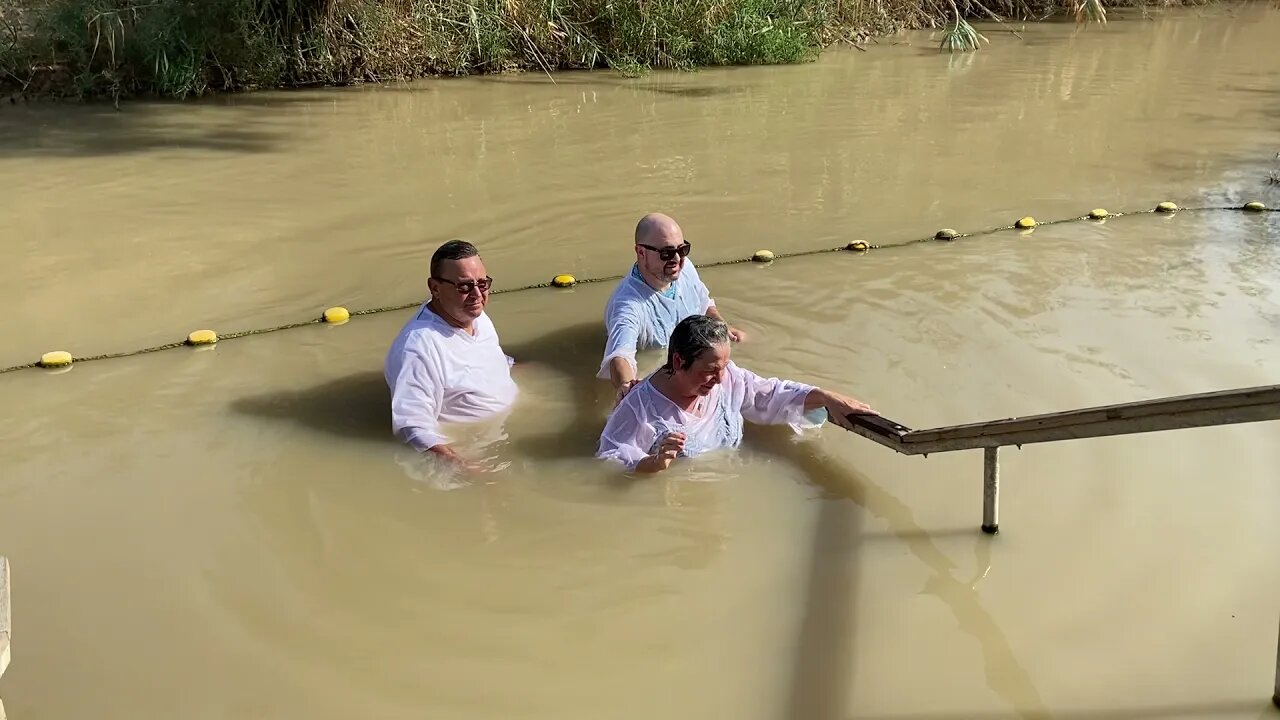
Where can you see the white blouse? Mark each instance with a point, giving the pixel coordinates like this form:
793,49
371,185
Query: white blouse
636,427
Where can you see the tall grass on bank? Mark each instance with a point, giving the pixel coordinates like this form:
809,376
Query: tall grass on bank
181,48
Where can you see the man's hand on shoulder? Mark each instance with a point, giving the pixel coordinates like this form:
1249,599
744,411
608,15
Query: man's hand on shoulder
623,389
735,334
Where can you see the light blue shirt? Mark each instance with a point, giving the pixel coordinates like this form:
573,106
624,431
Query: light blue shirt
638,317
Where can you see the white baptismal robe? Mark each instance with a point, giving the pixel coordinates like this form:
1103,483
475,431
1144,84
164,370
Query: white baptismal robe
636,427
439,373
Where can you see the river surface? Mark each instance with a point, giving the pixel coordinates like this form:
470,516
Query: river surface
231,532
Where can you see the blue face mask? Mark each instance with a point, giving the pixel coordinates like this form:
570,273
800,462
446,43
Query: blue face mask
817,416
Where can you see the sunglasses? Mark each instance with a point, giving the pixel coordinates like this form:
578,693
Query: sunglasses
465,288
667,253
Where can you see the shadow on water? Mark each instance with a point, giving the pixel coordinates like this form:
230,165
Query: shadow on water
601,80
244,124
358,406
827,696
822,680
573,352
355,407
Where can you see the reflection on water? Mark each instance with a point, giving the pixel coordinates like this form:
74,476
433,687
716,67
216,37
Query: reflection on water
234,533
1004,674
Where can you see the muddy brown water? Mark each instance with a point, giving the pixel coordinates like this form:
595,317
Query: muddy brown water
231,533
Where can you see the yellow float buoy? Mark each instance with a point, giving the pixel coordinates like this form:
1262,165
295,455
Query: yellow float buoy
1167,207
858,246
1254,207
336,315
1098,214
202,337
946,234
57,358
563,281
762,256
1025,223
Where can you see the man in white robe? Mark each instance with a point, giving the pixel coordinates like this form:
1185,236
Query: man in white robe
662,289
699,400
446,365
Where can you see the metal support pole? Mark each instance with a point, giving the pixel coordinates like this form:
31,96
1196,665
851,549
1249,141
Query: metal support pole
991,490
1275,698
5,620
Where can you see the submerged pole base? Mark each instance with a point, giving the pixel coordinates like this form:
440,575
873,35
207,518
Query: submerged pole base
991,490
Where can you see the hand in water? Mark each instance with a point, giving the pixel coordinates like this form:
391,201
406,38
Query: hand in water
839,407
470,467
670,449
462,465
736,335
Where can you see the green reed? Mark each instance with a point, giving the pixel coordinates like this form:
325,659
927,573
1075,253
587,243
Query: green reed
184,48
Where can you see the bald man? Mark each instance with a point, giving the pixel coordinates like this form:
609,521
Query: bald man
662,289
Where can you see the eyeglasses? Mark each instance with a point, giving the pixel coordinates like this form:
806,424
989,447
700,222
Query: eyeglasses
465,287
667,253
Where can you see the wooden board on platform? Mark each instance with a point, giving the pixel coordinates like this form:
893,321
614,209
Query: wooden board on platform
1224,400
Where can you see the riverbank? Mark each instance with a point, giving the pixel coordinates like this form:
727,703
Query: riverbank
179,49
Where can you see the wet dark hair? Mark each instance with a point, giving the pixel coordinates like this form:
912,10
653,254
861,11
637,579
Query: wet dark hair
452,250
693,336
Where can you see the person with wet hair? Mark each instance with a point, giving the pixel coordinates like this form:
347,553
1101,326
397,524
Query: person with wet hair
662,289
697,402
446,364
